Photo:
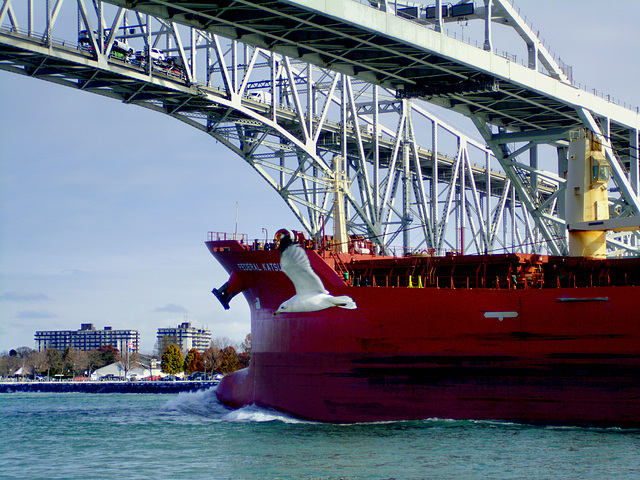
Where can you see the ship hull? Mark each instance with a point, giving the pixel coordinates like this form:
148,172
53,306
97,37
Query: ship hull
553,356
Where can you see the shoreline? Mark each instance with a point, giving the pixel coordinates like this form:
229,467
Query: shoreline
106,387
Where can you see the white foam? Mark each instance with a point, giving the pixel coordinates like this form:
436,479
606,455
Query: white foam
205,403
257,414
199,402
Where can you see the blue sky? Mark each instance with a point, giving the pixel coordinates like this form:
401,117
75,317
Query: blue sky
105,210
105,207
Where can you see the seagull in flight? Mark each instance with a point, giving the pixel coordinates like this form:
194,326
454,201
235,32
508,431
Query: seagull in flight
311,295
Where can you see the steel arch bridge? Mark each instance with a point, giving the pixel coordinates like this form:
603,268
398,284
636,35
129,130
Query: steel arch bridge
315,108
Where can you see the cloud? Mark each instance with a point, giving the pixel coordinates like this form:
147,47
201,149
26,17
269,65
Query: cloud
36,314
23,297
171,308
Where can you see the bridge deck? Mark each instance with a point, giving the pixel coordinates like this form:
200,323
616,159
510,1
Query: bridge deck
395,52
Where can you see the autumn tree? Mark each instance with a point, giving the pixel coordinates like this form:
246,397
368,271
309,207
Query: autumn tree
193,362
211,359
244,359
108,355
229,360
172,361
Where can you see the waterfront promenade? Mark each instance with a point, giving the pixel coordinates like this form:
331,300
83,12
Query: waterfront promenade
107,387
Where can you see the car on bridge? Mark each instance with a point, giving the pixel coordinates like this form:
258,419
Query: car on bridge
157,55
261,96
120,46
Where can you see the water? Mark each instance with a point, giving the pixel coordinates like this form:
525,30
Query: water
191,435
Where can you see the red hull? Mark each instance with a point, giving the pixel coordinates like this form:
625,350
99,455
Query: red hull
548,355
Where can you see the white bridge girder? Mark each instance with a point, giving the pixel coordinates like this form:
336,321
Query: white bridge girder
288,119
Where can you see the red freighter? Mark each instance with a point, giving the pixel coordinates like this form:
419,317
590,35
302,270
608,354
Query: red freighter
515,337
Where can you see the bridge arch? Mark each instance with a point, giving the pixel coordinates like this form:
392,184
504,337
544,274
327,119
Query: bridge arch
297,167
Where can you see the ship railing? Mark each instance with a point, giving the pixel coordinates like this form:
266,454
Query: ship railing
243,238
450,282
260,245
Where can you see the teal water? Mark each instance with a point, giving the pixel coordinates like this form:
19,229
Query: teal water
190,435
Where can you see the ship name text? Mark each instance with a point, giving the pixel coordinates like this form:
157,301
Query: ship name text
259,267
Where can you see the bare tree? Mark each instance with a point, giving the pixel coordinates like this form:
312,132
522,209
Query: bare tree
55,364
222,342
128,360
10,364
77,361
38,361
246,345
22,355
23,352
211,359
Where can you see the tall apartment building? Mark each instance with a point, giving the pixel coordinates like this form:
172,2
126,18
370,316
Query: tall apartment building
185,337
88,338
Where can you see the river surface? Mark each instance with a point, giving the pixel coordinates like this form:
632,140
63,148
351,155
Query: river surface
191,435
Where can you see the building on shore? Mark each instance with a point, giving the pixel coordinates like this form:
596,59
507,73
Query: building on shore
145,366
88,338
185,337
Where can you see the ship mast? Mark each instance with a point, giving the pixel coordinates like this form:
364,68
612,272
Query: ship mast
340,237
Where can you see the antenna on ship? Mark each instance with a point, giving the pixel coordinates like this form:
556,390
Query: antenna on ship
340,237
235,235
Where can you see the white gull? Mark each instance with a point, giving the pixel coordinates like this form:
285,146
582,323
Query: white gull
311,295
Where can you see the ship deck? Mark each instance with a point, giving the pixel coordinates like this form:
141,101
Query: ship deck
361,267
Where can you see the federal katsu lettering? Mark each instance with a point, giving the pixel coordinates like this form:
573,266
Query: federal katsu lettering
249,267
259,267
271,267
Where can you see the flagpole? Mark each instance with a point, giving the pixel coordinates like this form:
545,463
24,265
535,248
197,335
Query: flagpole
236,234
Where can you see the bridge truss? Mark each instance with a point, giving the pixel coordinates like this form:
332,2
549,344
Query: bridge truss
308,130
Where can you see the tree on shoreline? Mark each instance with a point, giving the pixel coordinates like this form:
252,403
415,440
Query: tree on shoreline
193,362
54,362
246,345
229,360
172,361
38,362
211,359
76,361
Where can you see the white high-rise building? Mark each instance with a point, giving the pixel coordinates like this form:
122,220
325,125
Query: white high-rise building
88,338
185,337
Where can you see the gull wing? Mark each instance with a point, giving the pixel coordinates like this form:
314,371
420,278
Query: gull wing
294,262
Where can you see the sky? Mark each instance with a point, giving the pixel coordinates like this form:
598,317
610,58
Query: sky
105,207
